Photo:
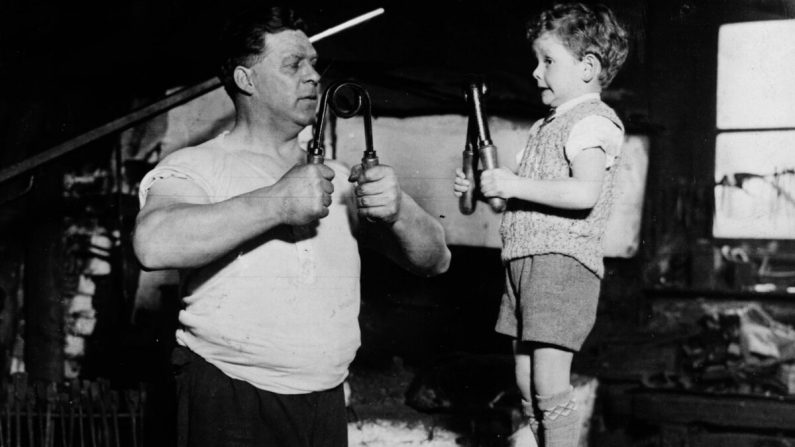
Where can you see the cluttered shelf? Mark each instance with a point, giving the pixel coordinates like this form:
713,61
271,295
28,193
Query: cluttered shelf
715,342
707,368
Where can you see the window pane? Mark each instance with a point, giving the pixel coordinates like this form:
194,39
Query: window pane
755,185
756,75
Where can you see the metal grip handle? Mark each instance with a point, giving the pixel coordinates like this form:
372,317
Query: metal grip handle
488,156
466,204
486,150
332,99
369,161
316,153
315,159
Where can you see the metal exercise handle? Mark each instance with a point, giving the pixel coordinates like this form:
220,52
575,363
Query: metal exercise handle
467,202
331,99
486,149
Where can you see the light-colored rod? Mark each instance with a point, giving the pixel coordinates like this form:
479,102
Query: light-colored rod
347,24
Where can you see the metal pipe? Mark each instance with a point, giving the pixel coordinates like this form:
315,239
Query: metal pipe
347,24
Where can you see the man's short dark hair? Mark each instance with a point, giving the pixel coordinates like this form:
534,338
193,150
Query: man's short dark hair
243,38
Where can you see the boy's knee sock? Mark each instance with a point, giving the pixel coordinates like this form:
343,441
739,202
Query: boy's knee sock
560,422
532,416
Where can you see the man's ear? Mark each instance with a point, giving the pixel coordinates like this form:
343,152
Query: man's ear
243,81
592,66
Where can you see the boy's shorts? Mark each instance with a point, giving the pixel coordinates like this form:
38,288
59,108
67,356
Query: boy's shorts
549,299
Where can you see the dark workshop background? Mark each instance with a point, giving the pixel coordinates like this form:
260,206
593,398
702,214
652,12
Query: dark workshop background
68,67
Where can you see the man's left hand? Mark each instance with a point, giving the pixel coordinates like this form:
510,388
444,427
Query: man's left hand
377,193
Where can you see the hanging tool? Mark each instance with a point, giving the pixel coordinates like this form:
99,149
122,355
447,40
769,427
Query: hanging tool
6,408
51,401
63,401
30,401
332,99
487,151
87,398
113,395
132,399
142,402
99,389
20,381
80,418
74,402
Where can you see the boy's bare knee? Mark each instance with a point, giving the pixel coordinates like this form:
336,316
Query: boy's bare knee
551,370
523,370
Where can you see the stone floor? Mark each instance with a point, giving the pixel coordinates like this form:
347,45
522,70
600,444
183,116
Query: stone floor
379,416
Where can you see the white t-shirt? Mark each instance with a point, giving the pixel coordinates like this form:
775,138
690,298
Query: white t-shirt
281,312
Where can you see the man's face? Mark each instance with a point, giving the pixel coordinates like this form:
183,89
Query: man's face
285,80
558,73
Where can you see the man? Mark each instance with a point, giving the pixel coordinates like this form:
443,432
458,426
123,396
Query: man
267,248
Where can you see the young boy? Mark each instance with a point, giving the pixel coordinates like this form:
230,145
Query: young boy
558,204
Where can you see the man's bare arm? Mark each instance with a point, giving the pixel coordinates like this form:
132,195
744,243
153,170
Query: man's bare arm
178,227
394,224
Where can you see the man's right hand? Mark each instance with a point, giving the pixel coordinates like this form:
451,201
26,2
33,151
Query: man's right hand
305,193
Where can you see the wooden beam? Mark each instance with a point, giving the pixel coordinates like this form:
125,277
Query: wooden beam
142,114
717,410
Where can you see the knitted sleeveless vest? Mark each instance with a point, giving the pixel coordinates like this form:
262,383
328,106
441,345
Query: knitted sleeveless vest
530,229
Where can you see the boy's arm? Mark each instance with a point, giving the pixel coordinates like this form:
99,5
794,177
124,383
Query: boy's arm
591,142
580,191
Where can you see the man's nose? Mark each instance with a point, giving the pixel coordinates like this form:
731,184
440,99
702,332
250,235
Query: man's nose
312,75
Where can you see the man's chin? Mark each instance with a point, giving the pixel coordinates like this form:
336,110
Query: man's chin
305,117
308,120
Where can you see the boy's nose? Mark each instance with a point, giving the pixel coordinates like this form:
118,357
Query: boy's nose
537,73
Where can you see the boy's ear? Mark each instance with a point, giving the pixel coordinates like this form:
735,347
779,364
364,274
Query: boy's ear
592,66
242,77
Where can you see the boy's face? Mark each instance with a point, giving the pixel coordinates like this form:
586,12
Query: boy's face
559,73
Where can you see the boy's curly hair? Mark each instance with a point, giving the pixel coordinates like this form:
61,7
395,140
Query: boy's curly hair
583,30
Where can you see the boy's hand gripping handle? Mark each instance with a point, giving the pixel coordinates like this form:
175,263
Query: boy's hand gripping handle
467,202
486,150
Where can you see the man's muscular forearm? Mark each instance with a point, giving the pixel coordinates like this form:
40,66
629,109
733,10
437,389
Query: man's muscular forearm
421,238
186,235
177,230
415,240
